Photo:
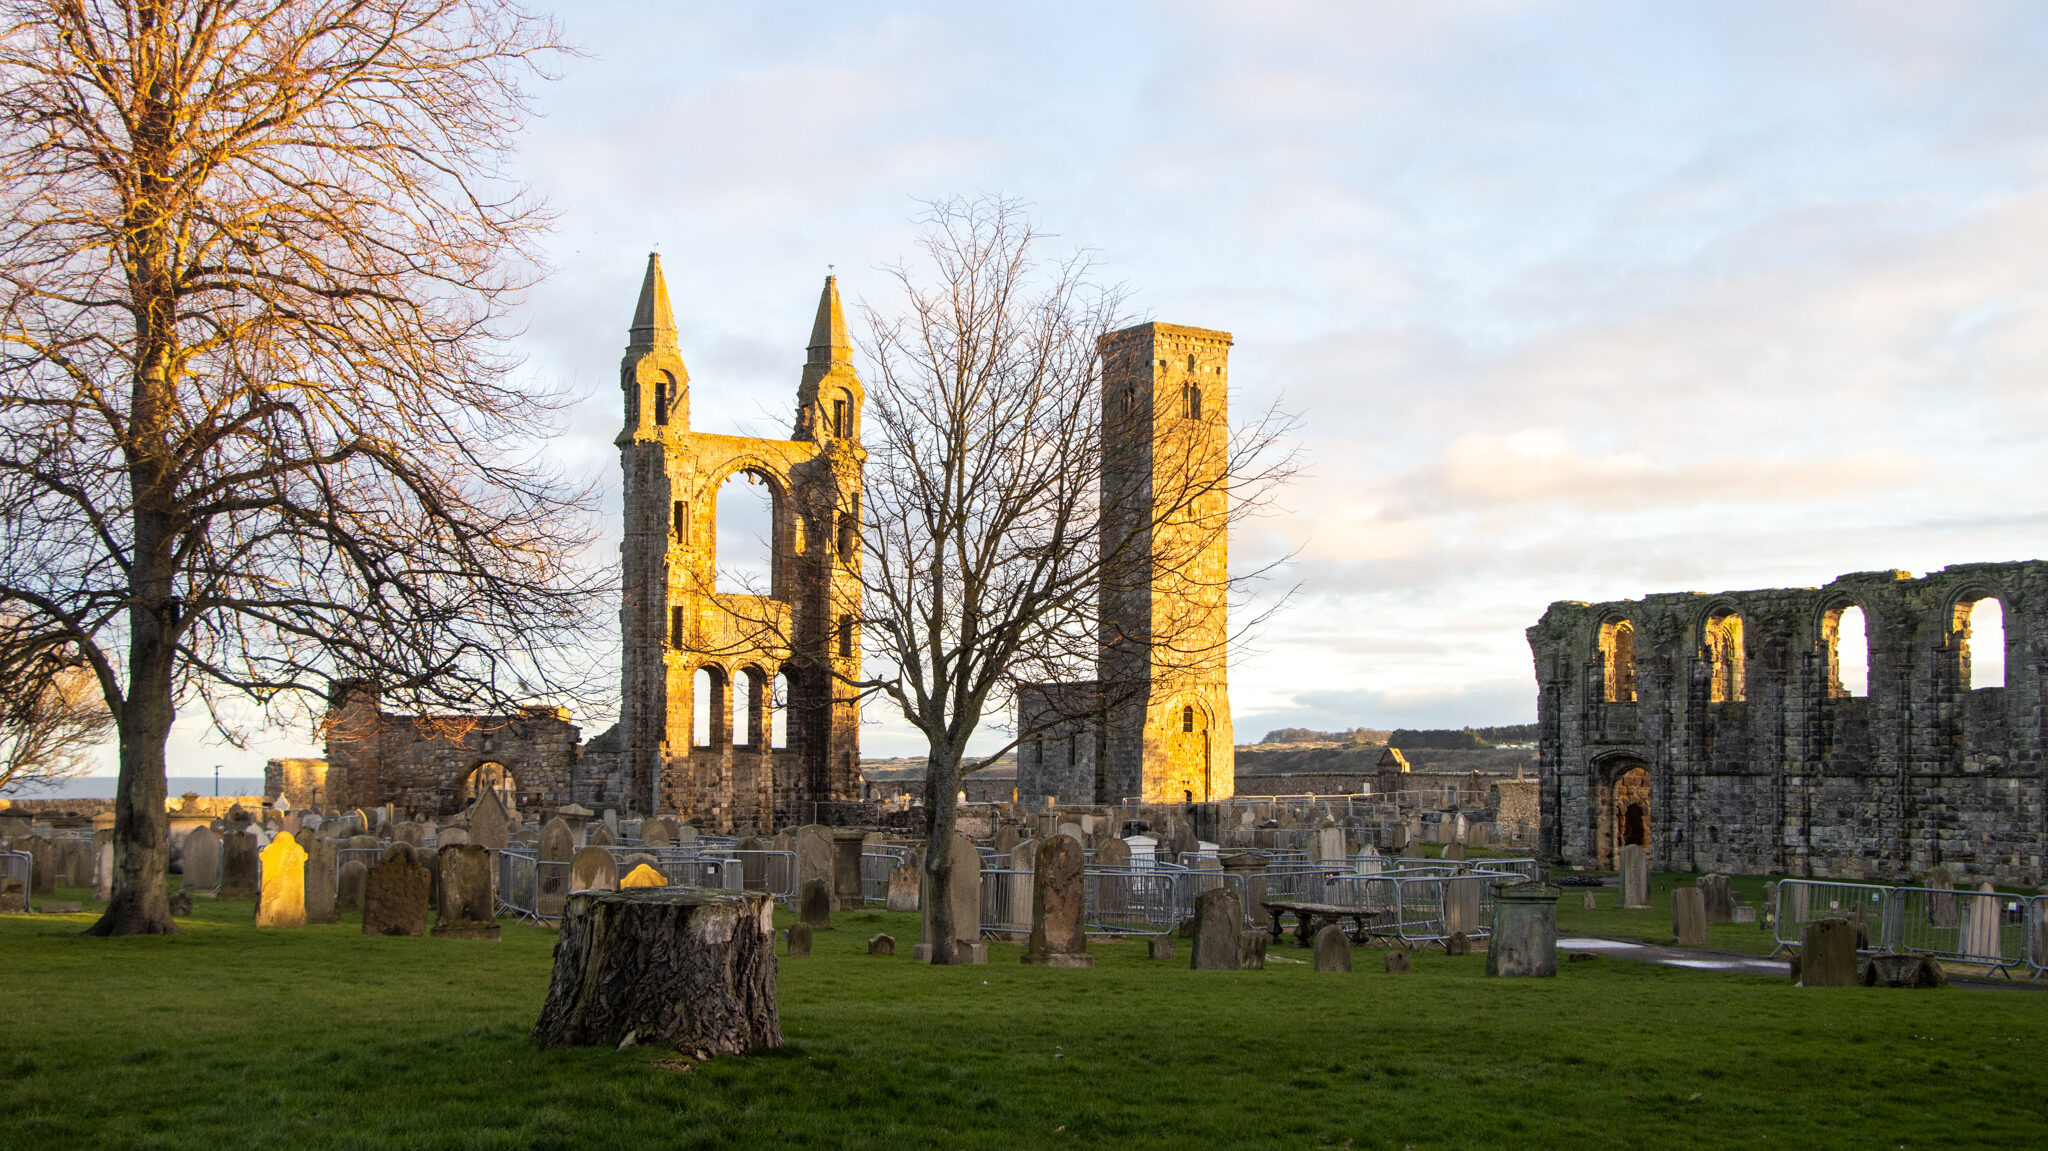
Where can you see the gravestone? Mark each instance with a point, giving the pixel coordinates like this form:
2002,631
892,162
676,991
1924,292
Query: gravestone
593,870
846,890
814,855
963,899
1903,971
815,905
903,885
753,867
74,862
1397,963
1114,852
281,893
490,824
202,861
1827,954
319,880
642,875
238,869
656,833
1523,942
1462,896
1458,944
1720,902
1413,850
1251,949
1586,901
1058,906
468,907
42,864
395,895
1745,915
1072,830
409,832
399,850
1333,949
1767,915
1012,898
799,940
1635,878
1007,838
601,835
1329,844
882,945
362,842
348,885
13,895
103,866
557,846
1689,916
577,817
1454,852
1941,906
1219,932
1980,915
180,902
1160,946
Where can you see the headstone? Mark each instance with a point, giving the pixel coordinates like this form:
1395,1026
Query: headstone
281,894
103,866
1454,852
1059,937
1941,905
1160,946
882,945
468,907
799,940
42,864
656,833
683,835
1219,930
1719,901
1251,949
1397,963
319,879
238,869
1333,949
601,835
963,899
1635,878
1462,897
362,842
202,861
1980,918
1902,971
349,885
399,849
1587,902
1523,942
903,887
643,875
490,825
1007,838
75,860
1413,850
180,901
1827,954
593,870
815,904
13,896
846,849
753,866
1689,916
1329,844
557,847
1459,943
1745,915
395,895
814,856
409,832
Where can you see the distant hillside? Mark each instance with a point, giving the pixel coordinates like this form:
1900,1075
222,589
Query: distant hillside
1407,739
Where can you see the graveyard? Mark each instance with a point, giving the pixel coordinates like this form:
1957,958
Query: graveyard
234,1035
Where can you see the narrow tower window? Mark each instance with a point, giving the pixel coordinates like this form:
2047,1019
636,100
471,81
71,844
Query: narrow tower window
1191,402
846,637
842,418
675,627
1187,719
1191,361
682,521
661,400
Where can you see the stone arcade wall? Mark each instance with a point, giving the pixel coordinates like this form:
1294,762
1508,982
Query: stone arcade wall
426,765
1754,757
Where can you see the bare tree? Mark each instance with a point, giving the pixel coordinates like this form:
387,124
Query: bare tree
52,715
256,430
995,544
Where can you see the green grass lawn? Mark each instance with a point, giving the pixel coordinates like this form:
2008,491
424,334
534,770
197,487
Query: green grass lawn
229,1037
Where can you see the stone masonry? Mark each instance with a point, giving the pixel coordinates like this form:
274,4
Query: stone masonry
435,765
1715,731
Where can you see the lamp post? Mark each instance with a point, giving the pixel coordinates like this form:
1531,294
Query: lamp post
216,781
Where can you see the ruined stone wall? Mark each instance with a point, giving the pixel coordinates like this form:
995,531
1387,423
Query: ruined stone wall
301,782
1757,759
429,765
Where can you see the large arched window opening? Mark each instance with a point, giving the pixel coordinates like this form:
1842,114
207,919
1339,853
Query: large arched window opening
778,710
491,777
708,717
1848,636
750,727
745,547
1618,661
1980,628
1721,646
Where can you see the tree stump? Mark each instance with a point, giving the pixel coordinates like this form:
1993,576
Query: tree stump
692,967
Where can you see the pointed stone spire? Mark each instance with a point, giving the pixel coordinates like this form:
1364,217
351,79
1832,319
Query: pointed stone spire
830,345
654,323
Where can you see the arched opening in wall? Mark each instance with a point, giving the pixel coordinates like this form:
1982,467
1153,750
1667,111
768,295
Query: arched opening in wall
707,707
1191,402
1618,661
490,777
1721,649
1848,634
745,548
753,708
1623,811
778,710
1981,632
842,415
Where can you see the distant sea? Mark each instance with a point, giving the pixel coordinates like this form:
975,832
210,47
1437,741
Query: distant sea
102,787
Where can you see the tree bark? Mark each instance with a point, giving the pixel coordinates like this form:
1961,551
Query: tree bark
941,784
694,968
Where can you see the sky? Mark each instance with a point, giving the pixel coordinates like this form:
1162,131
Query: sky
1573,301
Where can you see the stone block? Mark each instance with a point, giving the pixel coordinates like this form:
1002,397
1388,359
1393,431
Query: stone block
1160,946
1827,954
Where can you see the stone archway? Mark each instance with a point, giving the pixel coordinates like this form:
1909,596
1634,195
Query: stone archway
490,776
1621,810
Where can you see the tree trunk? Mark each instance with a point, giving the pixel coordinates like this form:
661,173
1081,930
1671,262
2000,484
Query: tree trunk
140,902
941,772
692,967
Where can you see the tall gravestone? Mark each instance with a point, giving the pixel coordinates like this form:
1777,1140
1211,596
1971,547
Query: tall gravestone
1980,922
963,896
1689,916
490,824
349,882
202,861
1635,878
42,864
1719,900
395,896
103,866
1059,936
814,857
468,907
601,835
593,870
1014,904
814,904
238,870
753,866
281,894
846,848
557,846
319,879
1218,932
656,833
1461,903
1523,942
1333,949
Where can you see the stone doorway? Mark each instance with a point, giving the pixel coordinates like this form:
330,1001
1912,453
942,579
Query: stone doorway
1624,810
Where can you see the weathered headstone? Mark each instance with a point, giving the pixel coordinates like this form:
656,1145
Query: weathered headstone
1745,915
490,824
180,901
1459,943
754,867
1413,850
103,866
1719,901
1219,931
1114,852
1635,878
882,945
903,885
593,870
963,899
238,869
1462,896
1523,942
468,908
395,896
815,904
1587,902
13,895
348,885
846,850
799,940
814,857
557,846
319,879
1689,916
642,875
202,861
1160,946
1329,845
1827,954
1454,852
1007,838
601,835
409,832
1059,937
1251,949
1980,920
42,870
1941,906
281,894
1333,949
1397,963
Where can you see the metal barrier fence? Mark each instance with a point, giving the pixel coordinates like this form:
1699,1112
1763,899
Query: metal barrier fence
1419,910
1989,928
18,865
876,862
1118,900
